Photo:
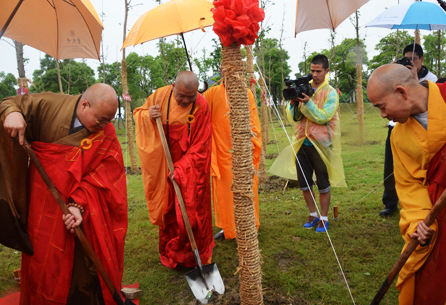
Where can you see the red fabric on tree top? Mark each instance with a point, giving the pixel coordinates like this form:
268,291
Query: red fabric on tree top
191,155
96,180
237,21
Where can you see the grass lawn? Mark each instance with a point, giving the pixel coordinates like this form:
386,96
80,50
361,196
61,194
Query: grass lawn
299,266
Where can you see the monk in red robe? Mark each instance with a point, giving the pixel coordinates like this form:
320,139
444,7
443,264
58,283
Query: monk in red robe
187,124
78,149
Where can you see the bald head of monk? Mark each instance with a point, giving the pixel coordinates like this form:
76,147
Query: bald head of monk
97,107
393,89
185,88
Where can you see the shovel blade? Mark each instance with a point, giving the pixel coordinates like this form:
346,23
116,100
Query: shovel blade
213,279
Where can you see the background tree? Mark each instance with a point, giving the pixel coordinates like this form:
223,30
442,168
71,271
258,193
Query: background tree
125,92
7,83
76,77
275,61
387,48
434,54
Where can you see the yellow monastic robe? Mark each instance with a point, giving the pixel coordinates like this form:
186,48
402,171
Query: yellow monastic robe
221,162
413,148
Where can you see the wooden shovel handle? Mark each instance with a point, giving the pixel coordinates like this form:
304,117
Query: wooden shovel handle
413,244
80,234
159,124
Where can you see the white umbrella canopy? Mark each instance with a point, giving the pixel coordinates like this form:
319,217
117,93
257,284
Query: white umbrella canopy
60,28
324,14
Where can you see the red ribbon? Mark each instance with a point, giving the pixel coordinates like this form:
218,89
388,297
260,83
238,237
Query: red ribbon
237,21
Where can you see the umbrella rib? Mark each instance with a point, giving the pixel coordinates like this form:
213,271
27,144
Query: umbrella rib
70,3
52,5
89,30
329,14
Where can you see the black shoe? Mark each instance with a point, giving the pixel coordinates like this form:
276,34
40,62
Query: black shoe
388,212
219,235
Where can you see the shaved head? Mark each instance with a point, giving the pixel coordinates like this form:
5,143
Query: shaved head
101,94
388,77
97,107
185,88
188,79
393,89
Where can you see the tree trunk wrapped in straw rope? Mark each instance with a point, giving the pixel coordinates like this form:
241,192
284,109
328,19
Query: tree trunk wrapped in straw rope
263,108
243,170
359,93
252,85
128,119
128,110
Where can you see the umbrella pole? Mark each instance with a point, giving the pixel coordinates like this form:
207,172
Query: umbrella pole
187,54
10,18
414,41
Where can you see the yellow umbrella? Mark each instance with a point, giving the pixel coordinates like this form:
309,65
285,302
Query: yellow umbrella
171,18
60,28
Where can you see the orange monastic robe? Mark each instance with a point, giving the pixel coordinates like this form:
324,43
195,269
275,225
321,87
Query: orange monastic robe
190,147
221,165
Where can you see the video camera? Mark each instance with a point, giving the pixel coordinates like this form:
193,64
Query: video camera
404,61
295,88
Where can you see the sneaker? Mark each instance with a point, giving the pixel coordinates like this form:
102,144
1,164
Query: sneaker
312,221
320,227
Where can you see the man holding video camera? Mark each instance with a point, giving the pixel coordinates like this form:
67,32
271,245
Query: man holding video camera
316,141
414,62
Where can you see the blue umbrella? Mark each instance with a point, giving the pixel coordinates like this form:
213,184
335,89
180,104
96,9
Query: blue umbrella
418,16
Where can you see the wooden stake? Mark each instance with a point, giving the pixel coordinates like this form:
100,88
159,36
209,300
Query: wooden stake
335,211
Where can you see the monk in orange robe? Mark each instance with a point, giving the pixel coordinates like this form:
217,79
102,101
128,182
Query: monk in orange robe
419,110
187,124
90,179
221,166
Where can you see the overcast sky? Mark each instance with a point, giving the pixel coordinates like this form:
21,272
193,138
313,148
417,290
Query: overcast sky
197,40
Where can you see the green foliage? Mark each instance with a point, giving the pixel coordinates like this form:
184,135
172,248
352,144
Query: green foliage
76,76
434,54
7,83
387,48
346,61
272,67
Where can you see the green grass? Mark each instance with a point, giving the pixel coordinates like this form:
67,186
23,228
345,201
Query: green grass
299,266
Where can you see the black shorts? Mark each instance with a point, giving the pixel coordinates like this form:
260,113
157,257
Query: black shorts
310,161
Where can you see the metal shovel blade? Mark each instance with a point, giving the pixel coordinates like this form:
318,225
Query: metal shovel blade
213,279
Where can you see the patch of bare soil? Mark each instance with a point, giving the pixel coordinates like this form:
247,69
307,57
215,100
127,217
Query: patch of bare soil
283,259
130,172
362,144
272,142
271,156
276,183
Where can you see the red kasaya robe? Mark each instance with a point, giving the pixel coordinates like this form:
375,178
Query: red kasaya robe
96,180
191,155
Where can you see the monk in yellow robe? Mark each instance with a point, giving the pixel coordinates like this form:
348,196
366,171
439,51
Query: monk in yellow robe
420,111
221,164
187,124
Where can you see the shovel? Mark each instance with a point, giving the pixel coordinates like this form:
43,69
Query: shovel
203,280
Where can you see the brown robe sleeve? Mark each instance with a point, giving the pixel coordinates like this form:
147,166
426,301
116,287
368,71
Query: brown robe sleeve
48,118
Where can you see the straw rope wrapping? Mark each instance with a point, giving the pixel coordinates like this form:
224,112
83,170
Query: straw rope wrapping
263,176
243,169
